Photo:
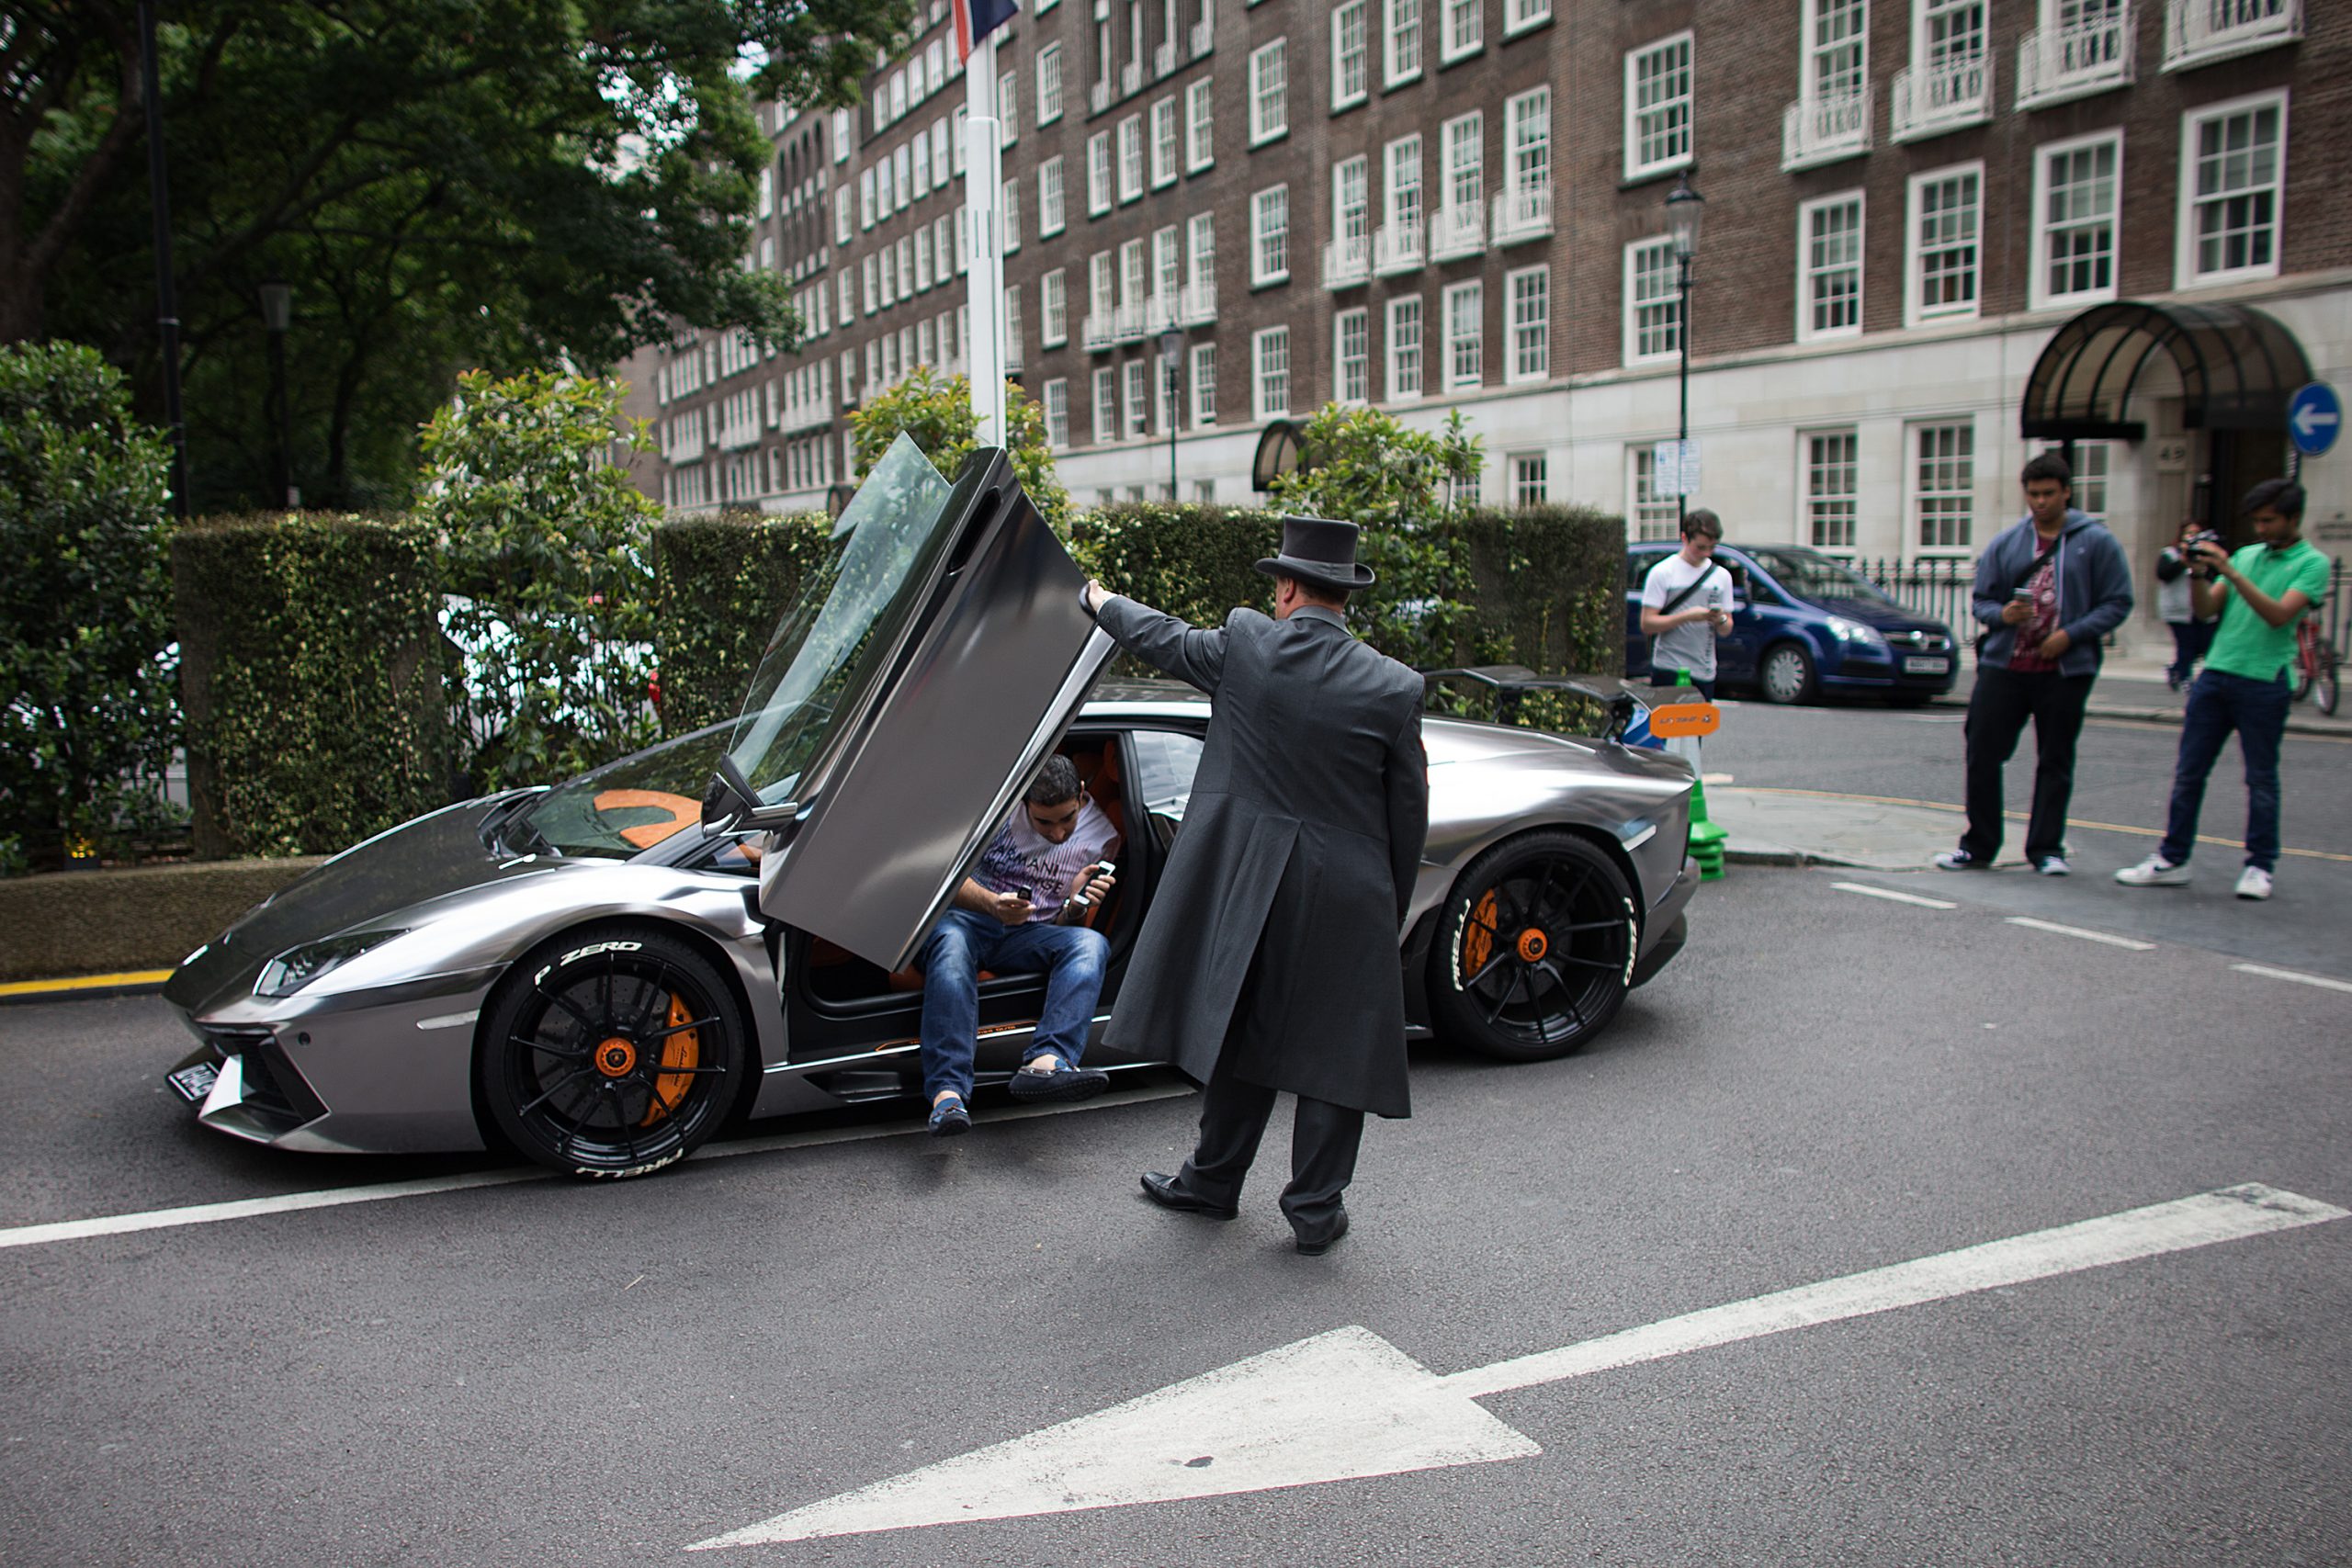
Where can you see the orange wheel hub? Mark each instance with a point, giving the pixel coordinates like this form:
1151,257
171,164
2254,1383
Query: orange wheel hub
1533,945
616,1058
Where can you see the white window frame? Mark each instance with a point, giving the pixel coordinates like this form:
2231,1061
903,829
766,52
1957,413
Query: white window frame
1527,336
1106,405
1345,365
2185,268
1810,84
1261,208
1811,501
1008,108
1916,312
2038,293
1053,308
1269,92
1131,159
1916,495
1262,406
1391,186
1009,207
1531,470
1521,14
1165,137
1352,214
1168,266
1049,84
1450,14
1053,204
1396,343
1136,400
1464,330
1200,250
1098,173
1199,126
1358,15
1521,172
1649,516
1056,402
1463,130
1636,167
1400,42
1204,384
1636,252
844,222
1808,274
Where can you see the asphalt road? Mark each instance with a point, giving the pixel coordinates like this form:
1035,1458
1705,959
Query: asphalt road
2122,786
1823,1082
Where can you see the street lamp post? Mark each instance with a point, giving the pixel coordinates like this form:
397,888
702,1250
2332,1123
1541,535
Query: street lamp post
1684,209
1171,353
277,314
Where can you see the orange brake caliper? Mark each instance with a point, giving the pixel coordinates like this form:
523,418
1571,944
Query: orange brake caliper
1478,938
680,1052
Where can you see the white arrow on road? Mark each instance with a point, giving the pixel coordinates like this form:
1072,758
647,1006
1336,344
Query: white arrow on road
2310,415
1347,1404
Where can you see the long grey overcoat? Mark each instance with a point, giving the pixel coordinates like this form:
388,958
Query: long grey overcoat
1276,927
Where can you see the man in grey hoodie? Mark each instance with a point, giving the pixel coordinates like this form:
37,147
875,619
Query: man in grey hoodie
2047,590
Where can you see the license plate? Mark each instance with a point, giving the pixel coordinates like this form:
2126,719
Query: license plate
1924,666
195,1083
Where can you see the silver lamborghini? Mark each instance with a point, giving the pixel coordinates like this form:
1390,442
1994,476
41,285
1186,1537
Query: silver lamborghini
603,973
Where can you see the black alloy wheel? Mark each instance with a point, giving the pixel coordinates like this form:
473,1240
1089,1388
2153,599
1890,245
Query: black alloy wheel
611,1052
1535,949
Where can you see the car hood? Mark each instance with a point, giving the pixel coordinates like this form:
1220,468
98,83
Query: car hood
1884,617
428,858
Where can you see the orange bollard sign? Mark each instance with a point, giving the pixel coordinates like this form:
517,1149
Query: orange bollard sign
1677,720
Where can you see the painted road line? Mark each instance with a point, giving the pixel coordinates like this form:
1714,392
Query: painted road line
1867,891
339,1197
2269,974
85,982
2021,817
1347,1404
2057,930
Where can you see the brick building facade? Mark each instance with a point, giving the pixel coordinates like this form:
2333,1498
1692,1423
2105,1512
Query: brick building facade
1435,205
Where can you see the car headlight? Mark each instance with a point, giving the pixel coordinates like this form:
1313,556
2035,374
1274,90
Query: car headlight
1856,635
298,967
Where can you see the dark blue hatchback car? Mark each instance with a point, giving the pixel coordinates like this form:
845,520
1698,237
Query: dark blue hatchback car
1803,624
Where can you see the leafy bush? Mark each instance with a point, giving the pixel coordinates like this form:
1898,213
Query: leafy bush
722,584
549,548
937,413
313,664
88,709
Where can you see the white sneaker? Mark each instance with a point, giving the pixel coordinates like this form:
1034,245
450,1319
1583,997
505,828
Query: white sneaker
2156,872
2052,865
2253,883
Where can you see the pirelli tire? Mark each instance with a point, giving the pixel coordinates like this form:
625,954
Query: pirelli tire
611,1052
1536,948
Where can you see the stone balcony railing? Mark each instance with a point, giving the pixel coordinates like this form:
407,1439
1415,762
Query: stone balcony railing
1347,261
1932,99
1163,59
1131,78
1203,31
1523,214
1458,231
1197,306
2199,32
1096,333
1823,129
2055,65
1399,247
1097,96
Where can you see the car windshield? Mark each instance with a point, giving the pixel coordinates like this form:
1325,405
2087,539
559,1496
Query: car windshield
829,647
625,806
1811,575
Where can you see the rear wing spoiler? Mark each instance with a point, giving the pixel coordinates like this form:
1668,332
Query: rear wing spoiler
1509,685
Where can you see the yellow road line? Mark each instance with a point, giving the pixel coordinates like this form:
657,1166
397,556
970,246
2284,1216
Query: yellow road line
2021,816
85,982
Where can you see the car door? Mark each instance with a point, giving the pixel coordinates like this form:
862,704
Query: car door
904,701
1752,618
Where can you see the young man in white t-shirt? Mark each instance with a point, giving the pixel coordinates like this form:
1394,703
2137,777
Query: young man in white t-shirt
1019,911
1686,634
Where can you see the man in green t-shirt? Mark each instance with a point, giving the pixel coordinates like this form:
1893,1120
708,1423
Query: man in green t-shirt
2261,592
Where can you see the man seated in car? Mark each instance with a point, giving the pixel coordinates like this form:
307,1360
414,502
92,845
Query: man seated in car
1023,908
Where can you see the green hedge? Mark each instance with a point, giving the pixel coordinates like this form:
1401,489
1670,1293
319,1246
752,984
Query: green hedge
312,675
721,584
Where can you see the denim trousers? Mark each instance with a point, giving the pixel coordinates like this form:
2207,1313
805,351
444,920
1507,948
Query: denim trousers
2219,702
2190,641
965,944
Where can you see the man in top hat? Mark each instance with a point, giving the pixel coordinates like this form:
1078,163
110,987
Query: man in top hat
1269,960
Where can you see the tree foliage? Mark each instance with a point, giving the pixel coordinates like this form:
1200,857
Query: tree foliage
498,183
936,413
88,706
546,551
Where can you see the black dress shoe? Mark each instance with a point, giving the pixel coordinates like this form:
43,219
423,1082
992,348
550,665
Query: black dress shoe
1315,1243
1169,1193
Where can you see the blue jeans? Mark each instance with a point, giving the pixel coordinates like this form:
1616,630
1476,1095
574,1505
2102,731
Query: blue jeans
2219,702
965,944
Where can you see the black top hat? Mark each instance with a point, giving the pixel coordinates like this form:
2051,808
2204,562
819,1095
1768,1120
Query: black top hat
1321,551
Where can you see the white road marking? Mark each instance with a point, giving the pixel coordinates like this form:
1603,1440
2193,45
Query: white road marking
1347,1404
1865,889
2269,974
333,1198
2076,930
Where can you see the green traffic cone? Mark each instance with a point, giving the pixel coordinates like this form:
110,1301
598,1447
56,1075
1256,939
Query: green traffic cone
1706,838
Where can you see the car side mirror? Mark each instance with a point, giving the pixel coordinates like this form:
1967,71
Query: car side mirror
730,803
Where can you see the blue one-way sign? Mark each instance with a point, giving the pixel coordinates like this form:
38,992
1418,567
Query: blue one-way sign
2314,415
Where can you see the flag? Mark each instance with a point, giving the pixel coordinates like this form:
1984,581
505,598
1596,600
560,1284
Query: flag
975,19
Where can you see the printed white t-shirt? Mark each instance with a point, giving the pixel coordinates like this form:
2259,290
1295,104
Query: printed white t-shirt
1689,647
1021,860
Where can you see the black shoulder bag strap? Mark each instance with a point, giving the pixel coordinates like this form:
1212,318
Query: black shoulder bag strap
2031,571
1693,586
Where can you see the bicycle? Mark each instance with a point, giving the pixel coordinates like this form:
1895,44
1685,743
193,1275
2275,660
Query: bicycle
2315,664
